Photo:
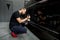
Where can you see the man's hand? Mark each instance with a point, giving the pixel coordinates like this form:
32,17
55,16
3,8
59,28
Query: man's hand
28,20
28,17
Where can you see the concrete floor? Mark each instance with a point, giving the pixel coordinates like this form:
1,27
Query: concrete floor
5,33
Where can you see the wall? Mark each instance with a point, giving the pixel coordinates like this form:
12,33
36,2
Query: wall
6,13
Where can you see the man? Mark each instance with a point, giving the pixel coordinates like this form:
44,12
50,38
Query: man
18,21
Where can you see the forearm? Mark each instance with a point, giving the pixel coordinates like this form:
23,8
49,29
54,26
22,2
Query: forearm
20,20
23,20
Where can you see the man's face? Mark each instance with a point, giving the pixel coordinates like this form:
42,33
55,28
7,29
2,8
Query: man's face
23,11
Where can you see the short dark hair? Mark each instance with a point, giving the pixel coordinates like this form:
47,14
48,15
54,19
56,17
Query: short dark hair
22,8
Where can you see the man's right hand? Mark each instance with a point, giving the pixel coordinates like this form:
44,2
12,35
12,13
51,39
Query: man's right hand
28,17
28,20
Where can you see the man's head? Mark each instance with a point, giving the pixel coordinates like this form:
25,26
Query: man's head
22,10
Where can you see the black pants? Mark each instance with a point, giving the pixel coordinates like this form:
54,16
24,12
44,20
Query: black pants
19,29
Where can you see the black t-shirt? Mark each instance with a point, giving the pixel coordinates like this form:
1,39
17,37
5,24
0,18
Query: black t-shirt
13,20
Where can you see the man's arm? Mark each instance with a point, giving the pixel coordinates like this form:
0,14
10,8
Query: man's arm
21,20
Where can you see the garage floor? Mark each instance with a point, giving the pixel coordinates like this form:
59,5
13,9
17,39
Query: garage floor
5,33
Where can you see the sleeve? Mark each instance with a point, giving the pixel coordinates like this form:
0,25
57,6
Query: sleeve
17,15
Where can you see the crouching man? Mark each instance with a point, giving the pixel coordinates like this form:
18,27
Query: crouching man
18,21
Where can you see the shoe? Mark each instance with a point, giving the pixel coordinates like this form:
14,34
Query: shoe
13,34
